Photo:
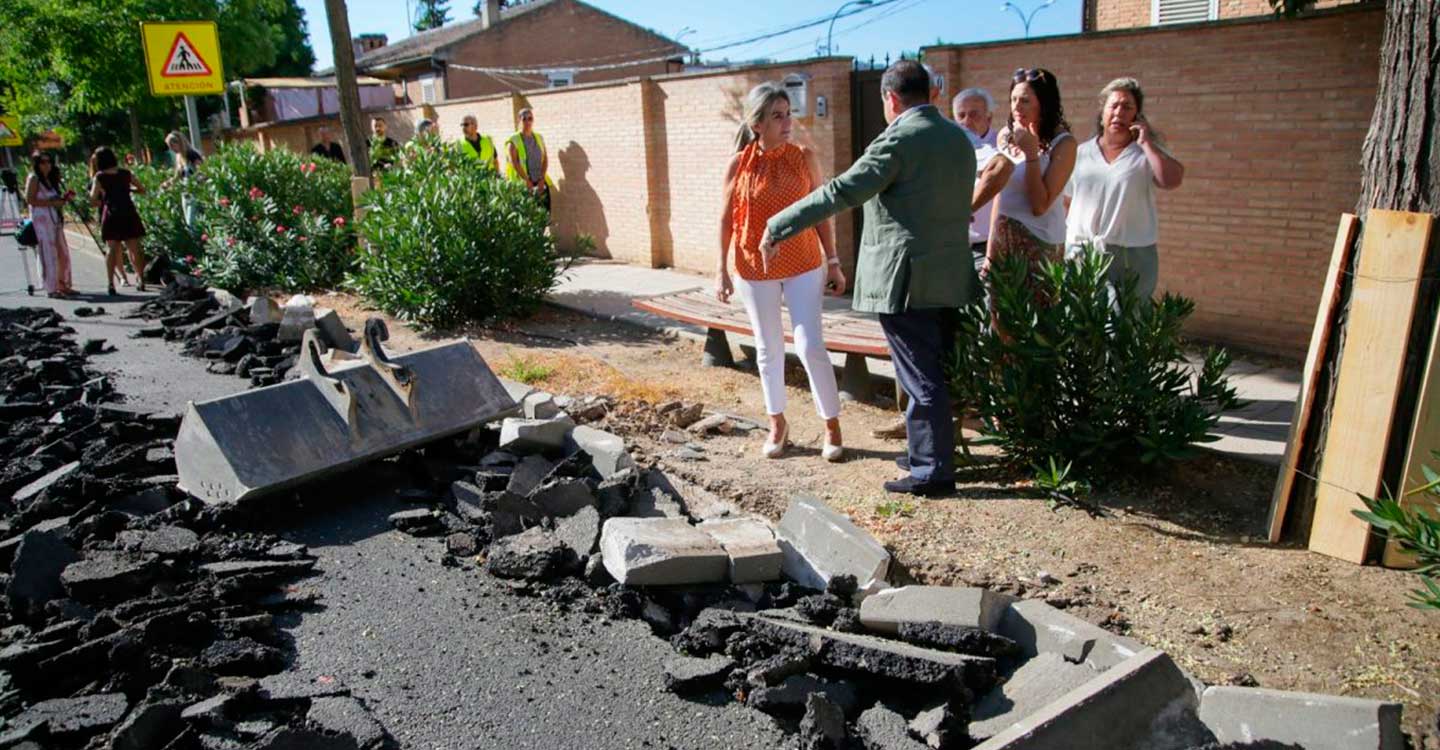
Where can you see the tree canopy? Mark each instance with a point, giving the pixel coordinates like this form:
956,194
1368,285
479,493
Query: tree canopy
75,66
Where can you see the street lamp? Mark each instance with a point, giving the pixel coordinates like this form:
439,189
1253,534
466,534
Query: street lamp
830,35
694,54
1024,18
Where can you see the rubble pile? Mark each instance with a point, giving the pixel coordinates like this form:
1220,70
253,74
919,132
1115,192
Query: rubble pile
801,619
135,617
255,339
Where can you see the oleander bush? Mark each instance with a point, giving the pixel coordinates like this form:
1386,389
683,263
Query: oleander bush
1067,377
445,243
262,219
1417,530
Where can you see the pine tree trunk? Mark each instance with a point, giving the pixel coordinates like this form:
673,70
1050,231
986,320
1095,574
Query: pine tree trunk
1402,151
1401,172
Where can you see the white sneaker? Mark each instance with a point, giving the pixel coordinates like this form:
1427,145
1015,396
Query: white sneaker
832,452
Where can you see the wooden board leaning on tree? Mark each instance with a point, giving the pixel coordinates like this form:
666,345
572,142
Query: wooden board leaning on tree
1382,306
1319,338
1424,442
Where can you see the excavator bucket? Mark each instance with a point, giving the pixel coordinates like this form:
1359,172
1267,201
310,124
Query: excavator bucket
254,443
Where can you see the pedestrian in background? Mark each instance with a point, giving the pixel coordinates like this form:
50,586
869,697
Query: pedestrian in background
327,148
476,146
1113,190
912,270
528,160
767,173
120,225
1030,214
46,195
384,150
187,168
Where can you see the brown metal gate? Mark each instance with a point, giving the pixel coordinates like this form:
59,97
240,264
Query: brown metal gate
867,118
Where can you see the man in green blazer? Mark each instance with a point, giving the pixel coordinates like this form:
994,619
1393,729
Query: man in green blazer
914,266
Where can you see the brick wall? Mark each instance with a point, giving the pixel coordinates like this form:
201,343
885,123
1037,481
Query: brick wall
1109,15
698,116
595,138
1268,118
548,36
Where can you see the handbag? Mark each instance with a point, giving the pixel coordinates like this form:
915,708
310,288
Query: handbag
26,236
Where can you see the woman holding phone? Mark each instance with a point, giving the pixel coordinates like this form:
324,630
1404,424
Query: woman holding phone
766,174
1112,194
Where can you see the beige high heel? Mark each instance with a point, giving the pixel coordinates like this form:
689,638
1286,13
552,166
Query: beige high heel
776,449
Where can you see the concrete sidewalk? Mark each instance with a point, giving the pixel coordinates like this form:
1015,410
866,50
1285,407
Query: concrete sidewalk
604,289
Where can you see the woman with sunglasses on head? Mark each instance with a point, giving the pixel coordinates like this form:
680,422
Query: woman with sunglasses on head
1113,191
1029,215
46,196
767,173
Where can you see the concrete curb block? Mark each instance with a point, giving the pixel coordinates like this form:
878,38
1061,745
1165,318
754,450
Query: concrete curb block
884,611
1315,722
1039,627
820,543
1144,702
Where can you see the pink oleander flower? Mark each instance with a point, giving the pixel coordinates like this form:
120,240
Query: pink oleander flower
302,238
190,259
224,201
256,193
230,242
297,210
280,229
339,221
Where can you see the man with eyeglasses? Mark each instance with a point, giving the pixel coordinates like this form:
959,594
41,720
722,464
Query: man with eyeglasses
528,160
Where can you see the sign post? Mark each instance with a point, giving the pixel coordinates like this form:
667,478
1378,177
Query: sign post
182,58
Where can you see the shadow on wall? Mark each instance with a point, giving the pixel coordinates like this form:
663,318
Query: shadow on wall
577,206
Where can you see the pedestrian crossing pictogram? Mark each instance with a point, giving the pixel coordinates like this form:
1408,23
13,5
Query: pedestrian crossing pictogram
5,132
183,60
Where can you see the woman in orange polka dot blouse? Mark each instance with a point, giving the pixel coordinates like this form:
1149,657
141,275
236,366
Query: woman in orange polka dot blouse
768,173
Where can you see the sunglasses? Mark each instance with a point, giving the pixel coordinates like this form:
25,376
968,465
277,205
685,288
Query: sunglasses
1030,74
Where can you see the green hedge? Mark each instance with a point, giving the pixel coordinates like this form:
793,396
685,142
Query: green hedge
1079,380
446,243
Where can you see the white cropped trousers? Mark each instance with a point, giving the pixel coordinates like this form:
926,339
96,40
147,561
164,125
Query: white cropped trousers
802,294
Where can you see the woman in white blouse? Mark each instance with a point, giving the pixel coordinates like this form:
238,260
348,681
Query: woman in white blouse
1112,192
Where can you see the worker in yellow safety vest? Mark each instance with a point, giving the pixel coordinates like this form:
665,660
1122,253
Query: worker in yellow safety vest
476,146
528,160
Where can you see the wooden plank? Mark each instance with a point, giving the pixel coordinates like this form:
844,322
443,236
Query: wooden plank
1319,340
1424,441
1382,306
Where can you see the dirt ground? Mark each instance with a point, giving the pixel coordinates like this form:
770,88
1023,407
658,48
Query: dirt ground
1178,560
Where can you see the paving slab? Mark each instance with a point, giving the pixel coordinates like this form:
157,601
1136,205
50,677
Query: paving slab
606,450
1038,682
820,543
1038,627
885,610
661,551
755,556
1142,704
1315,722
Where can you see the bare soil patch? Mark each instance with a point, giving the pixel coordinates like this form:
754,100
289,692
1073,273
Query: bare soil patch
1178,560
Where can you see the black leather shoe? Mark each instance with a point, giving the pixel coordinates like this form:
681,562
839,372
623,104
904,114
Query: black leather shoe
903,462
912,486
